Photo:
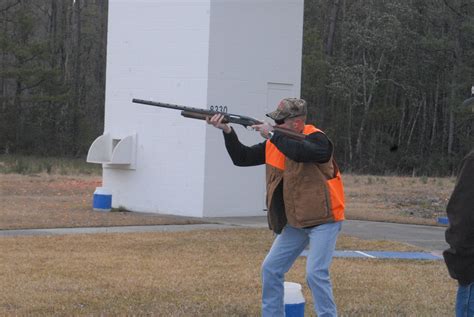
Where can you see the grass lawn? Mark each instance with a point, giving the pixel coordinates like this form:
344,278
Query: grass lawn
200,273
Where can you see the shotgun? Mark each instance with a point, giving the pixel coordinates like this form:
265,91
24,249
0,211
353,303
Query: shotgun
202,114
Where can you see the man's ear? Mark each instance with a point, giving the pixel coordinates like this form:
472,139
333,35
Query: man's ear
298,123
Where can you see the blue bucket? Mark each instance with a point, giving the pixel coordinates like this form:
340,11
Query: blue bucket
102,200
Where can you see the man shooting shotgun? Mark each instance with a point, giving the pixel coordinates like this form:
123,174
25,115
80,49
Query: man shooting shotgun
305,197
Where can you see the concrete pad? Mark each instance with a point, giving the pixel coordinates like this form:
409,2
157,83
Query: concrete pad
383,255
429,238
124,229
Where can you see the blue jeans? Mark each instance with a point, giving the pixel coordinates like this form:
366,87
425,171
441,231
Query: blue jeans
465,301
285,250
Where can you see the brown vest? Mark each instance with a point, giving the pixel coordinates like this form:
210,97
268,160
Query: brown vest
302,194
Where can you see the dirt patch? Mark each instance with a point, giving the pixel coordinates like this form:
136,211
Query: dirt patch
417,200
45,201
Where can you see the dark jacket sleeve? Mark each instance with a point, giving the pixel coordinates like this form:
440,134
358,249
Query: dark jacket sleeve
242,155
315,148
460,233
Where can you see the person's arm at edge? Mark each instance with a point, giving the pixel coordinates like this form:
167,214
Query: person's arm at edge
459,233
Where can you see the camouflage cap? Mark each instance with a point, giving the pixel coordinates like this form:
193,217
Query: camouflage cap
289,108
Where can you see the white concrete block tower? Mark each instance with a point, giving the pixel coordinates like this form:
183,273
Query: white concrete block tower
241,54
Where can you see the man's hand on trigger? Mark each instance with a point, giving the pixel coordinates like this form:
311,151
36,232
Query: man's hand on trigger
265,129
216,121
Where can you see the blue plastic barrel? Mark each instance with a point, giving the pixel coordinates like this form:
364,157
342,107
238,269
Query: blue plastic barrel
102,200
443,220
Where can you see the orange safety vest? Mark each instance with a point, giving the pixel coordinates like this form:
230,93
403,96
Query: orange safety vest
332,179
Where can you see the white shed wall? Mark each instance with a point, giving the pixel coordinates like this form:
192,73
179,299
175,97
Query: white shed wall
158,50
254,46
242,54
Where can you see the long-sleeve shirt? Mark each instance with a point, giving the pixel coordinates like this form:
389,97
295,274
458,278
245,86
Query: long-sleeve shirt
316,147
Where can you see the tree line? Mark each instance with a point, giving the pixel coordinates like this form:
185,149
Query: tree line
383,78
52,75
